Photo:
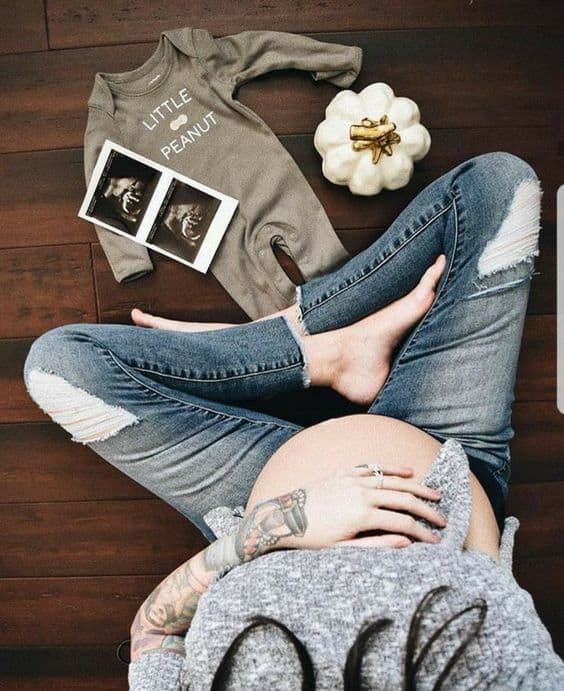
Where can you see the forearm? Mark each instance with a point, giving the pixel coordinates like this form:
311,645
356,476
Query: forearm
168,611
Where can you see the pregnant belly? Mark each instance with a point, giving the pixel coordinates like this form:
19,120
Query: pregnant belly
355,439
342,443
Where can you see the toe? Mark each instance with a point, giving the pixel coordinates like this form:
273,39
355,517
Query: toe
424,291
434,272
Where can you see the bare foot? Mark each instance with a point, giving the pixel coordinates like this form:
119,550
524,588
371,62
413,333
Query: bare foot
366,347
141,318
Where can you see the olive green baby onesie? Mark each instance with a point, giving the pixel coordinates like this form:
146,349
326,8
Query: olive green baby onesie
179,109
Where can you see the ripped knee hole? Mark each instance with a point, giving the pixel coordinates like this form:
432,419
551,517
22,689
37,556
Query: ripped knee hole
85,416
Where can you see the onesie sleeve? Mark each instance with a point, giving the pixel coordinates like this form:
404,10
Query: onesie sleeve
244,56
127,259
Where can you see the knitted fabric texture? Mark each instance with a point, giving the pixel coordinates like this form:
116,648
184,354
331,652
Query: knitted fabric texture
325,597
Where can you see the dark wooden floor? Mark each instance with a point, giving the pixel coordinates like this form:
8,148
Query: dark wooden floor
81,545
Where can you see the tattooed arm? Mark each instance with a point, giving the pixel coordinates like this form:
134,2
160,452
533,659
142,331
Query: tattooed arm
339,506
166,614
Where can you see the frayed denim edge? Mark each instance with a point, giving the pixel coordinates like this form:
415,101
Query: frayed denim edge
306,379
299,312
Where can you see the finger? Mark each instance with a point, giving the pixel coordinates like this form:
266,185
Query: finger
401,470
388,540
392,522
401,485
403,501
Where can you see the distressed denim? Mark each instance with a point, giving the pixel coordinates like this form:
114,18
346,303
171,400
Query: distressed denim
173,410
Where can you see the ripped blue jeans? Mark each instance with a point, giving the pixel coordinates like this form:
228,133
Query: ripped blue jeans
173,410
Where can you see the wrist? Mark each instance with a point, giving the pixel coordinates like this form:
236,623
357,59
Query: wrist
222,555
200,566
274,524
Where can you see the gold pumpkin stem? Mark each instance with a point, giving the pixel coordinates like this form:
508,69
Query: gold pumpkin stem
377,135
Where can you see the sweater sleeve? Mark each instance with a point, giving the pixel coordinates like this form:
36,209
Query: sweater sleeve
128,260
244,56
156,671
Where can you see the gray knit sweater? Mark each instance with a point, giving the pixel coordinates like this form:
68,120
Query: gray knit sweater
325,597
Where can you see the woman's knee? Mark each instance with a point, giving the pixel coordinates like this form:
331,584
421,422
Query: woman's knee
506,167
499,197
54,351
65,378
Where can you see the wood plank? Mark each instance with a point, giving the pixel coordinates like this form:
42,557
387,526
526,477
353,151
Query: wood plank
101,23
542,578
99,610
449,148
63,668
69,683
15,403
535,379
110,538
70,514
22,26
152,292
45,287
57,176
538,508
538,446
43,102
39,463
95,538
40,200
48,186
536,373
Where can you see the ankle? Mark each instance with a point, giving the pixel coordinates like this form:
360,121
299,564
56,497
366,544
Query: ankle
323,355
288,313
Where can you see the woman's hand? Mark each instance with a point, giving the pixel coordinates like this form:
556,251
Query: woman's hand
332,512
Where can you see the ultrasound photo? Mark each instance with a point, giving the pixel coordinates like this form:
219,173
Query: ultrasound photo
183,220
123,193
157,207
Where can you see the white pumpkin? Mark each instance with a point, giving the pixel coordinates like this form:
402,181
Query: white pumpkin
366,150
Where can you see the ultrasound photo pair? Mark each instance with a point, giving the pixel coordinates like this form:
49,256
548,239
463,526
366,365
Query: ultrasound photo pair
157,207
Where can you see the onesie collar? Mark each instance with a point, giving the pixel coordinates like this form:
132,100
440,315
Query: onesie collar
101,96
